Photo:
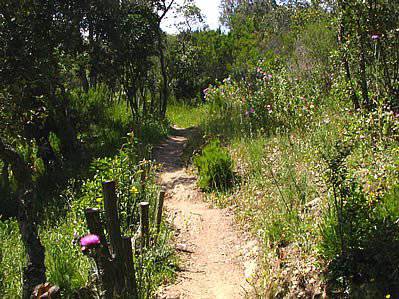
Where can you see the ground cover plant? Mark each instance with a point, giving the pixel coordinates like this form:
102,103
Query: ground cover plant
66,266
76,79
215,167
313,133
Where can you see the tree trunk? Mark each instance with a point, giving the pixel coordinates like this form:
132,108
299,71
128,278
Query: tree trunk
130,94
83,79
65,130
46,152
143,98
345,61
362,65
5,178
35,271
164,89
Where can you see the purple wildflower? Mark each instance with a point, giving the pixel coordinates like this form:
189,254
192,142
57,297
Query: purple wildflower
375,37
252,110
89,241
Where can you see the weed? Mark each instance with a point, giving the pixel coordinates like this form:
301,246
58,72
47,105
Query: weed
215,167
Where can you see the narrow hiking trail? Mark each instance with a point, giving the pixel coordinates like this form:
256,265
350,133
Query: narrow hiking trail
210,248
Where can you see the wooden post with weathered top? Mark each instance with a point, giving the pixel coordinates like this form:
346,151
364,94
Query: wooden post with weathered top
159,210
112,218
103,258
130,277
114,231
95,225
145,223
114,260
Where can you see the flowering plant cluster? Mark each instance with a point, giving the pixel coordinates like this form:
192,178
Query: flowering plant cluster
267,99
128,174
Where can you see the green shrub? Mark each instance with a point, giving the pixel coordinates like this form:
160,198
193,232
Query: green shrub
12,259
215,167
359,234
66,266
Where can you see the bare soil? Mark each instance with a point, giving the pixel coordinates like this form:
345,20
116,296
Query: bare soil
209,245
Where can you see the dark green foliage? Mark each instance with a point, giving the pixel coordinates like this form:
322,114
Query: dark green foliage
370,237
198,59
74,81
215,167
360,235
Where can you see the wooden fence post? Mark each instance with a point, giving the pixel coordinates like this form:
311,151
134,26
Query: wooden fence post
95,224
130,277
159,209
114,231
115,264
145,223
103,257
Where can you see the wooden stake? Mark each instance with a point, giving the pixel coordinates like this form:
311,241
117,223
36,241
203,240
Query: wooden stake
145,223
159,210
103,256
114,231
131,284
95,224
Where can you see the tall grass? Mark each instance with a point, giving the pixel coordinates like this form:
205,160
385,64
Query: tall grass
12,259
112,144
285,198
186,116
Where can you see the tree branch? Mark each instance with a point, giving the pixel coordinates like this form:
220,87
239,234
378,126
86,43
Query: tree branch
166,8
20,169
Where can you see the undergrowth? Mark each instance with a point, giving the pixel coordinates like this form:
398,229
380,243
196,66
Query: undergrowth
317,186
66,266
215,167
115,154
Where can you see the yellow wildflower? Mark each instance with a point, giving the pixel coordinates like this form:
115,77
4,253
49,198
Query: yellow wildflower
134,190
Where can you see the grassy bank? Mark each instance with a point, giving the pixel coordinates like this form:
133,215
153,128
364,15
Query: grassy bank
115,151
66,266
321,196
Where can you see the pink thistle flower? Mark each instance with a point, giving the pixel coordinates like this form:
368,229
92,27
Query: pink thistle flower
89,241
375,37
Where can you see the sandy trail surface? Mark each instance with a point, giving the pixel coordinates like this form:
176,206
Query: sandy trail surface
208,244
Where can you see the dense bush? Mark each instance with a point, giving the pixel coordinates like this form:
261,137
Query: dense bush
66,266
215,167
361,240
297,140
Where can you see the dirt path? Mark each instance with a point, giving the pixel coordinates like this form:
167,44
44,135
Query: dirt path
210,246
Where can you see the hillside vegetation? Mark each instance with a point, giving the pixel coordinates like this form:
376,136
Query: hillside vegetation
296,105
309,115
